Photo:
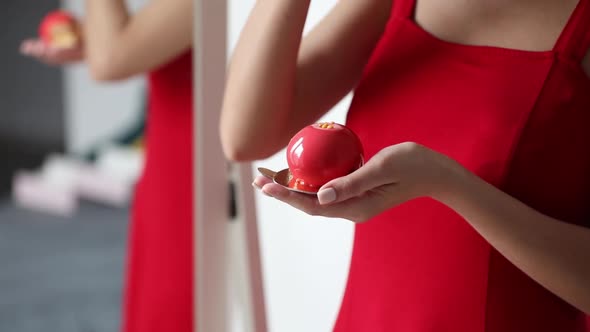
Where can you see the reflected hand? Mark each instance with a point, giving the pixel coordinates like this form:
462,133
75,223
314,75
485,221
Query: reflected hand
394,175
37,49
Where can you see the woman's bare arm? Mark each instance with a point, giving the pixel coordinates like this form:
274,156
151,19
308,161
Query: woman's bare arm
278,83
119,45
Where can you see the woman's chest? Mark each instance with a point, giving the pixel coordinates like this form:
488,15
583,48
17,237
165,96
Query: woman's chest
468,103
510,116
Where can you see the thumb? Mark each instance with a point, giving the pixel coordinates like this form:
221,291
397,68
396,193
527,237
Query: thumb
367,177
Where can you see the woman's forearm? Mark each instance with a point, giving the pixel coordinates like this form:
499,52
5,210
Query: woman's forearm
279,82
262,74
554,253
104,21
120,45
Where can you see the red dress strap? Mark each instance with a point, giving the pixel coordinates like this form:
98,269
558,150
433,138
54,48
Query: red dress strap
403,8
574,40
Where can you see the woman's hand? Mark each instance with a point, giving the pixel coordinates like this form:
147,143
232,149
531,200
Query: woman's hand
394,175
37,49
552,252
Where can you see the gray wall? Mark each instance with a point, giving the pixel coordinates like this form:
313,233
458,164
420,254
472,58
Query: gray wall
31,103
31,94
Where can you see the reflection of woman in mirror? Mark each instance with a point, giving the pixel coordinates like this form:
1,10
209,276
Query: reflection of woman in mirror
473,210
117,45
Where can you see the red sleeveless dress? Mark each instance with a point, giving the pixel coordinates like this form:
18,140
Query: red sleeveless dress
518,119
158,295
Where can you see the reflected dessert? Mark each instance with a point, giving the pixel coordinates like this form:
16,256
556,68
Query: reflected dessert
60,29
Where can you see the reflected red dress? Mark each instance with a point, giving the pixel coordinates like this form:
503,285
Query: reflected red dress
158,295
518,119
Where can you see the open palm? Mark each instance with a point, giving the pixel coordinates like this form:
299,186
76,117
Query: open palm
37,49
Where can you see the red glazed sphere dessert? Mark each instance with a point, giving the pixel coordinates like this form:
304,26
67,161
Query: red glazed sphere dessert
59,29
322,152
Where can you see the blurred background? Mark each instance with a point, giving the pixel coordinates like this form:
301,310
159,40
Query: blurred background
62,255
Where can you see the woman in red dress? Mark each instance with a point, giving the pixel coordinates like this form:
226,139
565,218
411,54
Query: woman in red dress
117,45
473,210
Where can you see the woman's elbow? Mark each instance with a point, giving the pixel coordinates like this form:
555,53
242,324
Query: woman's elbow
104,73
99,69
106,69
240,148
235,154
238,151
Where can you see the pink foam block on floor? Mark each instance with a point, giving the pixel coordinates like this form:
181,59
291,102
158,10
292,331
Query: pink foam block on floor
98,186
32,191
121,162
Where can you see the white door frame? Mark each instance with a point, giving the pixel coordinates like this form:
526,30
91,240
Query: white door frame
212,301
211,194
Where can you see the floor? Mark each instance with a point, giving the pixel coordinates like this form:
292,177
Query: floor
58,274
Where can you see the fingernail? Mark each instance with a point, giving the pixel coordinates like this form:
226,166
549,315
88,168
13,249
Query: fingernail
326,196
255,185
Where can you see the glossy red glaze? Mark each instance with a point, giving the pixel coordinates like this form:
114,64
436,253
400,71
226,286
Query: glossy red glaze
47,28
322,152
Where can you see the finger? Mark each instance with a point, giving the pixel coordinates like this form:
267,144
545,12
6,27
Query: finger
260,181
310,205
25,47
55,55
306,203
371,175
357,209
38,49
365,206
31,47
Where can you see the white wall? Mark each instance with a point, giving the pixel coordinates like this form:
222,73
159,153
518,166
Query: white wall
95,112
305,260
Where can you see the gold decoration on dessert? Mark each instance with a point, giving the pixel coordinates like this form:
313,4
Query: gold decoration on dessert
326,125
